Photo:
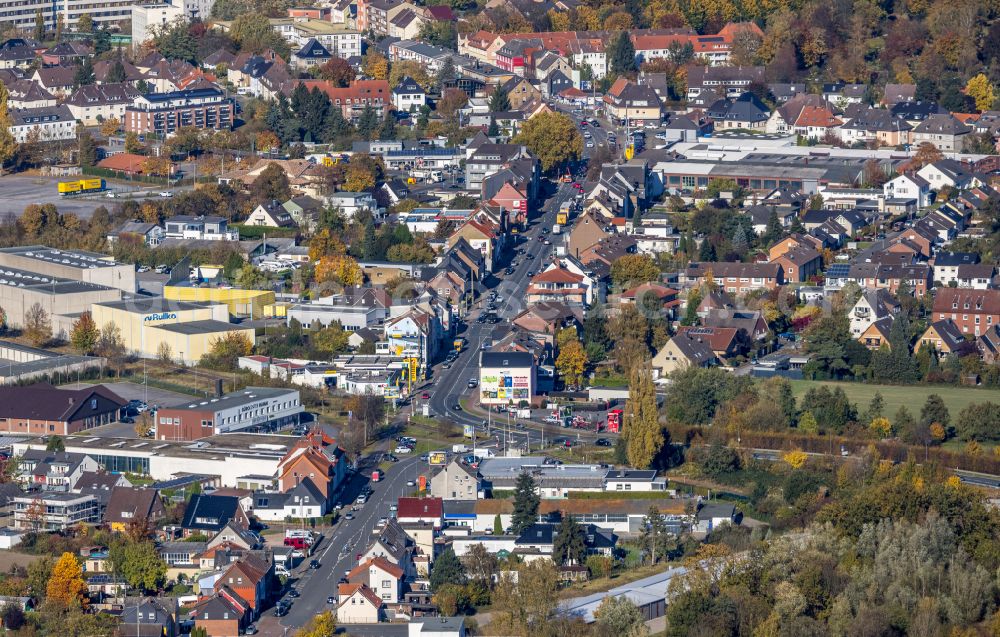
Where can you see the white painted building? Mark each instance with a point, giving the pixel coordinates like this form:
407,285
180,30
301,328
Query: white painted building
54,123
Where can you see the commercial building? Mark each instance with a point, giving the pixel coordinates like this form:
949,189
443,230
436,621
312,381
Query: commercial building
187,329
164,113
249,303
253,408
63,299
42,409
506,377
77,265
20,363
53,511
241,460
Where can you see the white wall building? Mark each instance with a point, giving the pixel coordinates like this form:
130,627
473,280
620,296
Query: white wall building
506,377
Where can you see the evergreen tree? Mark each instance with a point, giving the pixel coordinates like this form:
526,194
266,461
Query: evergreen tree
935,411
774,231
39,25
493,131
369,243
116,74
87,150
336,125
499,101
569,546
368,122
707,251
84,75
447,569
621,54
526,502
876,409
446,73
497,522
643,433
740,243
388,129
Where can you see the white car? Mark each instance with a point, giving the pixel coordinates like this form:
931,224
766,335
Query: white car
411,483
166,194
110,194
402,449
590,144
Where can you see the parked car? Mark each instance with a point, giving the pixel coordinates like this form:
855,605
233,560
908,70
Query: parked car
314,564
602,442
403,449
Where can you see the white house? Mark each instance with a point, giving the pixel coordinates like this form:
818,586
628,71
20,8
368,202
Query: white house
948,172
633,480
272,215
872,306
351,203
54,123
908,186
712,515
381,576
408,96
358,604
413,334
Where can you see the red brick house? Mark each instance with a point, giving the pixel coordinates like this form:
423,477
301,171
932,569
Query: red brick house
42,409
973,311
224,614
248,579
737,278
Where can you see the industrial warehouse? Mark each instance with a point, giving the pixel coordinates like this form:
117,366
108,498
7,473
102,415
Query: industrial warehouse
187,329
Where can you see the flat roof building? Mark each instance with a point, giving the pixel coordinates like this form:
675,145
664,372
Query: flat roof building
253,408
187,329
64,299
77,265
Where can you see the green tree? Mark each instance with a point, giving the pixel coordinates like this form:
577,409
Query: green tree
633,269
620,54
175,42
876,408
569,546
139,563
84,75
39,27
526,503
8,146
368,123
553,138
642,432
87,149
497,525
37,325
253,33
271,185
85,23
84,334
249,277
447,569
116,73
654,534
935,411
330,340
621,617
55,443
499,100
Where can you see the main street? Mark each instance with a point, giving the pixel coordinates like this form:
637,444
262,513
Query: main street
338,550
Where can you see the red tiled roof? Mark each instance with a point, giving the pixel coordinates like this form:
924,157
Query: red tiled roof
818,116
379,562
125,162
420,508
557,275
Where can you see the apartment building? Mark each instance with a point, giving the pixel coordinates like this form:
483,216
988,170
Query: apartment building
164,113
339,39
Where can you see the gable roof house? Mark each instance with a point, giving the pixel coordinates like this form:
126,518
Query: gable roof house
951,173
131,506
746,111
946,339
871,306
908,186
635,103
42,409
317,458
224,614
358,604
271,214
209,514
944,131
683,350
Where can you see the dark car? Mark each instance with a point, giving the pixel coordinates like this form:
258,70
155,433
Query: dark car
293,593
280,610
602,442
457,407
313,564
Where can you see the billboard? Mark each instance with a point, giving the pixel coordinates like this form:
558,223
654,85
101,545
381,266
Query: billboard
437,458
506,386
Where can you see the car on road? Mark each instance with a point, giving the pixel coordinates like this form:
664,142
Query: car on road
402,449
590,144
473,382
456,407
330,600
166,194
293,593
411,483
425,395
110,194
250,630
446,366
280,611
361,499
546,242
602,442
393,507
314,564
348,516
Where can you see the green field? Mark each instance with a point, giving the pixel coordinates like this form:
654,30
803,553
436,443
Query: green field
913,396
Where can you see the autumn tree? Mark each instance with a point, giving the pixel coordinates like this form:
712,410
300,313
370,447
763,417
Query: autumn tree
84,334
226,350
572,362
37,325
66,584
633,269
451,100
338,71
619,616
111,346
553,138
8,146
981,90
322,625
643,434
110,126
375,66
341,269
526,606
926,153
271,185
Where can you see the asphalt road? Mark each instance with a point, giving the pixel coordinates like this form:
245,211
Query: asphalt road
338,549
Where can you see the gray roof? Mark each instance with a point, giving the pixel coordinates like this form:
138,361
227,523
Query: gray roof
506,359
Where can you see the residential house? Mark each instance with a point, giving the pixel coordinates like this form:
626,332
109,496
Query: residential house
736,278
730,81
49,123
53,511
223,614
311,54
358,604
149,617
271,214
150,233
876,335
627,101
946,339
58,80
315,458
712,515
480,236
393,544
557,284
725,342
988,345
351,203
943,131
408,96
382,577
417,333
208,514
455,481
946,265
749,321
800,264
589,229
973,311
249,578
871,306
42,409
681,352
743,112
207,227
794,241
951,173
908,186
27,94
133,507
97,103
977,276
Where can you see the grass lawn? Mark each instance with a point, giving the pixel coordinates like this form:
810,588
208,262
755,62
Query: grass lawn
913,396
